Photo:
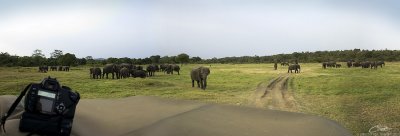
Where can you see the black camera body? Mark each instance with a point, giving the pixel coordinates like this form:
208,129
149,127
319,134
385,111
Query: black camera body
49,108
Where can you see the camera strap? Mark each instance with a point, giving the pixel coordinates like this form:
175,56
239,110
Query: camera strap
13,106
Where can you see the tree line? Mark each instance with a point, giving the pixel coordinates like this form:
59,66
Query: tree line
58,58
315,57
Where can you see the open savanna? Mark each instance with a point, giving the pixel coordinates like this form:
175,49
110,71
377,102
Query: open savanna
356,98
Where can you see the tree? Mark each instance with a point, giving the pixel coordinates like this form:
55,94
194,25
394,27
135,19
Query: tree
195,59
182,58
68,59
56,54
38,53
155,59
38,58
125,60
81,61
89,60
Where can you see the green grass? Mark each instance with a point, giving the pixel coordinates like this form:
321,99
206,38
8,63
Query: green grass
356,98
229,84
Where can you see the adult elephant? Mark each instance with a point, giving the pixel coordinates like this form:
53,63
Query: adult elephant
157,67
380,63
374,65
331,64
111,68
65,68
53,68
295,67
324,64
138,73
365,64
151,69
169,69
95,73
124,72
200,76
163,67
126,65
60,68
43,69
176,68
357,64
349,64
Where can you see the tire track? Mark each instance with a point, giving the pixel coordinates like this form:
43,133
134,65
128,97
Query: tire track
274,95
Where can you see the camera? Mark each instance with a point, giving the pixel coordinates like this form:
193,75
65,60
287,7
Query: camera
49,108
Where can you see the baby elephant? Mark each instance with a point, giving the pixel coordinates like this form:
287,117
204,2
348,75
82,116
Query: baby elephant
200,75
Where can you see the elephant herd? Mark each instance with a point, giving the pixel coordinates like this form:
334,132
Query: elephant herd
350,63
366,64
44,69
291,66
126,70
331,64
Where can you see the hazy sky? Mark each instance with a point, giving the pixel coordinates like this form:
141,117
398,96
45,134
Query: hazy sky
205,28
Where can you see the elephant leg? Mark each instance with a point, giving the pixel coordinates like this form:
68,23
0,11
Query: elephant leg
201,83
198,83
205,84
192,83
178,73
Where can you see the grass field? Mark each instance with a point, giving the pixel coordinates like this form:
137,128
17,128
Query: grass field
357,98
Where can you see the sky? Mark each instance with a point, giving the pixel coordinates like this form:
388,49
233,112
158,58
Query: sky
204,28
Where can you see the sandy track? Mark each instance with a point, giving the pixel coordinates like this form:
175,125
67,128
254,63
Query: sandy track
274,95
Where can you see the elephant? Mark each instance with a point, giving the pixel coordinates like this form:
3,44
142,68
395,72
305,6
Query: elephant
169,69
126,65
139,73
349,64
324,64
357,64
139,67
338,65
95,73
151,69
53,68
43,69
157,67
65,68
111,68
380,63
163,67
176,68
365,64
124,72
295,67
60,68
374,65
285,64
331,64
200,76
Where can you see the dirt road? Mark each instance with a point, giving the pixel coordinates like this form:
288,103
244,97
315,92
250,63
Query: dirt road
274,95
